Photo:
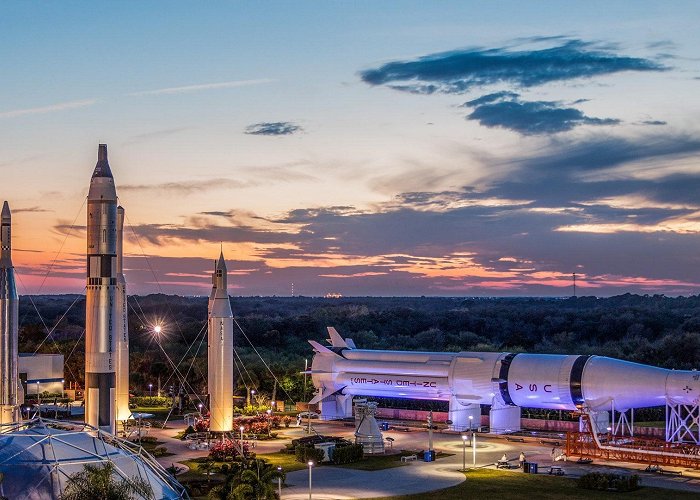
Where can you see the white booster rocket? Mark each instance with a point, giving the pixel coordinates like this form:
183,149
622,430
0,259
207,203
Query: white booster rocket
507,381
9,303
101,298
122,328
220,352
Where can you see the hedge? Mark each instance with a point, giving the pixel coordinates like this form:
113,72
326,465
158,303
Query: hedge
348,454
608,482
306,453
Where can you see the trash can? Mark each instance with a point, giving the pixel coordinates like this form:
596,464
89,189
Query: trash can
533,468
526,467
429,456
384,426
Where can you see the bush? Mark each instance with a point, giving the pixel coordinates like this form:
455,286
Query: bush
348,454
227,450
608,482
306,453
159,451
152,401
188,431
287,420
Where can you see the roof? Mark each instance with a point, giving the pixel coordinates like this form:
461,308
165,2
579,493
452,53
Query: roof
38,456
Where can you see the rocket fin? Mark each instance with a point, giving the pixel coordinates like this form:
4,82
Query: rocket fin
320,396
336,339
350,343
321,349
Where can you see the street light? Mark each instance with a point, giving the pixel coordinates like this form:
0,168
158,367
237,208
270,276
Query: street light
241,428
464,452
311,464
279,482
269,421
471,418
150,390
200,409
474,449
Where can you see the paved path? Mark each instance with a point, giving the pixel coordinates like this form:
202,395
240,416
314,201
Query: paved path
415,477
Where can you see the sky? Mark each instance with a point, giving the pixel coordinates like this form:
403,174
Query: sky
361,148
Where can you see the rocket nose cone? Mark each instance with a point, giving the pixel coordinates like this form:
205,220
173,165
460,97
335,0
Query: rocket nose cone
102,168
6,216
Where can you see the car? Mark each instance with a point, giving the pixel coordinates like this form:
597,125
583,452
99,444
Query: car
308,414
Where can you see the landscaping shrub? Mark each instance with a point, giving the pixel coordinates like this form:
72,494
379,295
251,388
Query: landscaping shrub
152,401
226,450
348,454
188,431
608,482
159,451
306,453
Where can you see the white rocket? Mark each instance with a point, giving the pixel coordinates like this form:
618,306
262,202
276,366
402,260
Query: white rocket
122,328
506,381
101,298
220,352
9,302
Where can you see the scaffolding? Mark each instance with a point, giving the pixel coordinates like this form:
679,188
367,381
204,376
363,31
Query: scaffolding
589,443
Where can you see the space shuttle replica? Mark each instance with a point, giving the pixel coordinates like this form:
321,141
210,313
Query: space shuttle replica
220,352
10,391
106,336
506,381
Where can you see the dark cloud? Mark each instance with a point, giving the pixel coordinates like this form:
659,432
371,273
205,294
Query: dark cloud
458,71
507,110
272,128
654,122
30,209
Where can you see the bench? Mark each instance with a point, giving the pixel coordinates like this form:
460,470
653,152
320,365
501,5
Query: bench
402,429
556,471
550,443
584,460
515,439
409,458
659,470
502,464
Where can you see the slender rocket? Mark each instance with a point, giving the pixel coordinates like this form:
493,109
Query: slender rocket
220,350
9,302
122,329
101,304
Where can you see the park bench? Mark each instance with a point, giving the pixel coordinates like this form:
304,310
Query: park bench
502,464
409,458
400,428
659,470
515,439
550,443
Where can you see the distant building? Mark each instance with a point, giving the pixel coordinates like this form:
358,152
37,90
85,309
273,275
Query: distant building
333,295
41,371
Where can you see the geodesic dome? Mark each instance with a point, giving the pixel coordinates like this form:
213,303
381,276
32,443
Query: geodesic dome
38,456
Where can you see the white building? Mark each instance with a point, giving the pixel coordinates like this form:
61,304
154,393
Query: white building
41,373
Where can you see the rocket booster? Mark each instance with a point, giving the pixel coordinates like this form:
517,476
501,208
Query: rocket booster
548,381
9,303
101,313
220,352
122,328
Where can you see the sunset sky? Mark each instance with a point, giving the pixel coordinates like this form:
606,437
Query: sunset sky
363,148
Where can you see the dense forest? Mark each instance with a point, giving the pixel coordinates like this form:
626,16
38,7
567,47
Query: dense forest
655,329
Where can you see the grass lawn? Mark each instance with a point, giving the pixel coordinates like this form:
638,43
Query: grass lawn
285,460
659,424
379,462
489,484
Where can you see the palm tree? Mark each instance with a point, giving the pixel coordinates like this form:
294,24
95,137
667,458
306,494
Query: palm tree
253,483
96,481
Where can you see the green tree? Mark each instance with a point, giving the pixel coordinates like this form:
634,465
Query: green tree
256,482
96,481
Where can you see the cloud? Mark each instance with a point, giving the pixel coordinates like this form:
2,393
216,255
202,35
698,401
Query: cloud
30,209
62,106
185,187
506,110
272,128
137,139
654,122
201,87
458,71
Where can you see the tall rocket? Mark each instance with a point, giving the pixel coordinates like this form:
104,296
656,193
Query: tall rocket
122,339
220,352
9,302
101,304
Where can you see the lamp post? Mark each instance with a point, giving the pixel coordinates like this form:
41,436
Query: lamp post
150,390
279,482
464,452
311,464
200,409
241,428
474,449
269,421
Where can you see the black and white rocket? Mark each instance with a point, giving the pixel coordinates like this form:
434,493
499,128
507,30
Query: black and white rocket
9,302
220,352
101,298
